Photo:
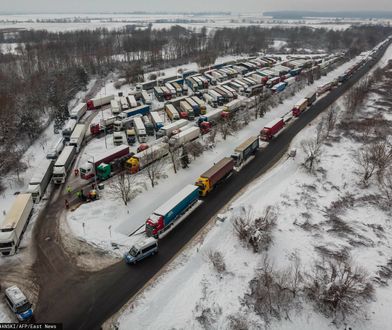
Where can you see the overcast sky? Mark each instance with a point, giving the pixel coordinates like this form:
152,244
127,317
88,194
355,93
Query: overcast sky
189,5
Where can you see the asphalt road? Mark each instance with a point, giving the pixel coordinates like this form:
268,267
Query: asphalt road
84,300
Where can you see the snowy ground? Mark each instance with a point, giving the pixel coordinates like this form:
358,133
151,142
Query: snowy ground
192,286
91,222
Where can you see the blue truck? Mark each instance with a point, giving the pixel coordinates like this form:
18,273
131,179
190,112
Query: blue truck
166,216
141,110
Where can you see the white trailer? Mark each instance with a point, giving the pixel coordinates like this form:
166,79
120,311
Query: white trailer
116,109
146,97
146,157
132,101
40,180
172,89
167,130
186,136
213,115
79,111
99,101
156,120
187,108
63,164
140,129
77,136
56,149
124,103
233,106
172,112
68,129
15,223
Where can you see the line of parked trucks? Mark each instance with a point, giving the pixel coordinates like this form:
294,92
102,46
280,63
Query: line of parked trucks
178,207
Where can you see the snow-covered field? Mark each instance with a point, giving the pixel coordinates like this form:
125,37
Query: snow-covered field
193,293
91,222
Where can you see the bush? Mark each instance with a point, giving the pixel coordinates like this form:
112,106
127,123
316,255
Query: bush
217,261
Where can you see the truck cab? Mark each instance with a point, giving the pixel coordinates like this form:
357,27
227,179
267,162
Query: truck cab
204,186
104,171
118,138
131,138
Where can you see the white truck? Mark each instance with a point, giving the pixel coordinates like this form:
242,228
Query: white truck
132,101
40,180
119,138
172,89
147,99
185,136
116,109
156,120
124,103
77,136
56,149
68,129
15,223
99,101
167,130
233,106
63,164
79,111
140,129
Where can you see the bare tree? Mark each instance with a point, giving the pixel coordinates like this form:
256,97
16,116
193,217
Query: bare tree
312,149
366,163
386,186
382,156
330,120
195,148
122,187
175,157
217,260
154,170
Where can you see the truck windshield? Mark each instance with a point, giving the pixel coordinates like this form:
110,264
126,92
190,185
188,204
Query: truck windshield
25,307
149,230
133,251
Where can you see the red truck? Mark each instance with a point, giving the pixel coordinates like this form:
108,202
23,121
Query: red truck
273,127
209,179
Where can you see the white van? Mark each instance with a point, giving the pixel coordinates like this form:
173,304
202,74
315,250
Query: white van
18,303
142,249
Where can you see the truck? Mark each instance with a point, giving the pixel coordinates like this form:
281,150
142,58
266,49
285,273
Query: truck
142,159
195,106
79,111
233,106
116,108
140,129
280,87
131,101
118,138
68,129
40,180
77,136
156,120
178,88
167,130
187,109
105,124
245,150
272,82
269,130
167,95
150,128
311,97
15,223
218,98
124,103
299,107
212,117
63,164
55,149
166,216
99,101
216,174
201,104
171,112
131,136
185,136
88,170
324,88
172,89
140,110
159,93
146,98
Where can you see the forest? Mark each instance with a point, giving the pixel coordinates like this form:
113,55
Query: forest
47,69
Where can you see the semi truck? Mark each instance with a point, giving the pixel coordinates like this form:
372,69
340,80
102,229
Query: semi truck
171,112
158,93
79,111
216,174
124,103
150,128
311,97
324,88
167,130
269,130
116,108
142,159
63,164
68,129
245,150
131,101
195,106
15,223
118,138
187,109
185,136
99,101
166,216
77,136
105,124
201,104
212,117
88,170
140,129
56,149
280,87
40,180
233,106
141,110
299,107
146,98
156,120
